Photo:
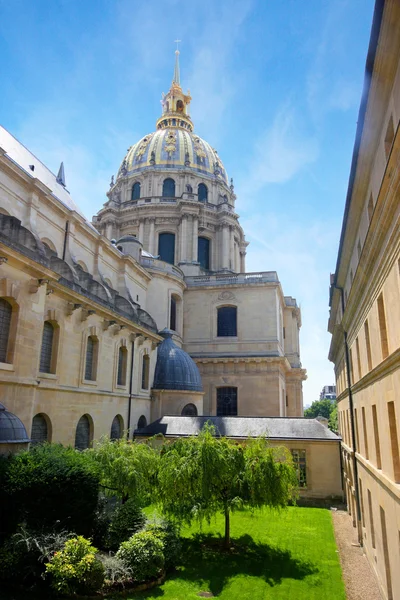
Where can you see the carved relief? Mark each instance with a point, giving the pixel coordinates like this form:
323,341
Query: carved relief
142,148
199,149
226,295
170,143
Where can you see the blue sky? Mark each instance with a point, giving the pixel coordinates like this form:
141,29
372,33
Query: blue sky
276,87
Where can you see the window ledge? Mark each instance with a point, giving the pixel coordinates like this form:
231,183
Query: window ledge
221,338
89,382
120,387
47,375
6,366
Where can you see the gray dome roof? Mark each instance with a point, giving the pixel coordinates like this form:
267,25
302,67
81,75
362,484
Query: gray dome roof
129,238
175,370
12,430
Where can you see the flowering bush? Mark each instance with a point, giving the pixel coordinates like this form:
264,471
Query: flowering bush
75,569
143,554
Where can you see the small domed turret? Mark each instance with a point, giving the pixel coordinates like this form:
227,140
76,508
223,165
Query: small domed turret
175,369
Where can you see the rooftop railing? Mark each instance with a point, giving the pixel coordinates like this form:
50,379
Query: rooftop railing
160,265
232,279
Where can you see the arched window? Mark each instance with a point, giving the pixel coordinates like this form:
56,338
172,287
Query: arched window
179,106
168,190
83,435
203,252
172,314
166,247
5,323
116,428
227,321
145,371
202,192
40,430
46,351
135,191
226,401
189,410
122,363
91,358
142,422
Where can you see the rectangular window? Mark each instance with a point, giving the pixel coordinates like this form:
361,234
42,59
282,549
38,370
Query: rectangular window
226,401
348,429
227,321
376,437
358,358
356,428
365,433
382,327
172,316
371,519
368,344
145,372
394,441
299,462
386,554
91,359
351,367
362,502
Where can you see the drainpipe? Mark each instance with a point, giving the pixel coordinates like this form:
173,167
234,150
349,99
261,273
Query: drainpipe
130,389
65,239
352,425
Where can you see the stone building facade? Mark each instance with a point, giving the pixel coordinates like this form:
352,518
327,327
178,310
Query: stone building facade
365,310
83,305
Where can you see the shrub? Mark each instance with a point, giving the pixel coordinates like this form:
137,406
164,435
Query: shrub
53,487
75,569
143,553
168,534
115,569
23,556
126,520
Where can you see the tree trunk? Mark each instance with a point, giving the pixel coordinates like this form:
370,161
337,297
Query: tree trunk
227,528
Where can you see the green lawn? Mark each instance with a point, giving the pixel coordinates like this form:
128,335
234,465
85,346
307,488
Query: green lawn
288,556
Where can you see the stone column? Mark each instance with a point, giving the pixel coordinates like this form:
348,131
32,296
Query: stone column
195,232
242,261
141,231
237,259
152,240
183,237
225,246
109,230
232,248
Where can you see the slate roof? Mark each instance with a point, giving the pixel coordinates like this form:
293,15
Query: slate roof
12,430
175,369
24,158
276,428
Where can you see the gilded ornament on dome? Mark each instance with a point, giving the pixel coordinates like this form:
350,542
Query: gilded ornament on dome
199,150
170,143
142,148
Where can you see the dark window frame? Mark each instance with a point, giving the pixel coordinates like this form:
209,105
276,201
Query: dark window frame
166,246
136,191
145,371
299,457
47,348
227,321
122,366
227,401
91,358
202,192
169,188
6,316
204,252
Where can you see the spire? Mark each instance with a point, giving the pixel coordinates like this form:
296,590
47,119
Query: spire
61,175
177,78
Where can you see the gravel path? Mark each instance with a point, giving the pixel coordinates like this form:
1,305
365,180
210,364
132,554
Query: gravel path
359,579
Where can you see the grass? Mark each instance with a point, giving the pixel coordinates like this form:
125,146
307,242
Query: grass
289,555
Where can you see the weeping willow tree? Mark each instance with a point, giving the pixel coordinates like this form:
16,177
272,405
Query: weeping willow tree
127,469
203,475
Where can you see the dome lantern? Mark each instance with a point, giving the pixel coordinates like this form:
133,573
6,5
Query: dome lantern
175,103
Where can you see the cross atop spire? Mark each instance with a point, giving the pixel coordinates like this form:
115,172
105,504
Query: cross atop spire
177,79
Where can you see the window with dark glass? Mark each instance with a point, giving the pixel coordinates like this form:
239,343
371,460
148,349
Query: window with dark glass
39,432
227,321
5,323
172,315
189,410
116,428
202,192
145,372
299,463
142,422
91,359
136,191
168,190
122,362
203,252
166,247
83,433
47,348
226,401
